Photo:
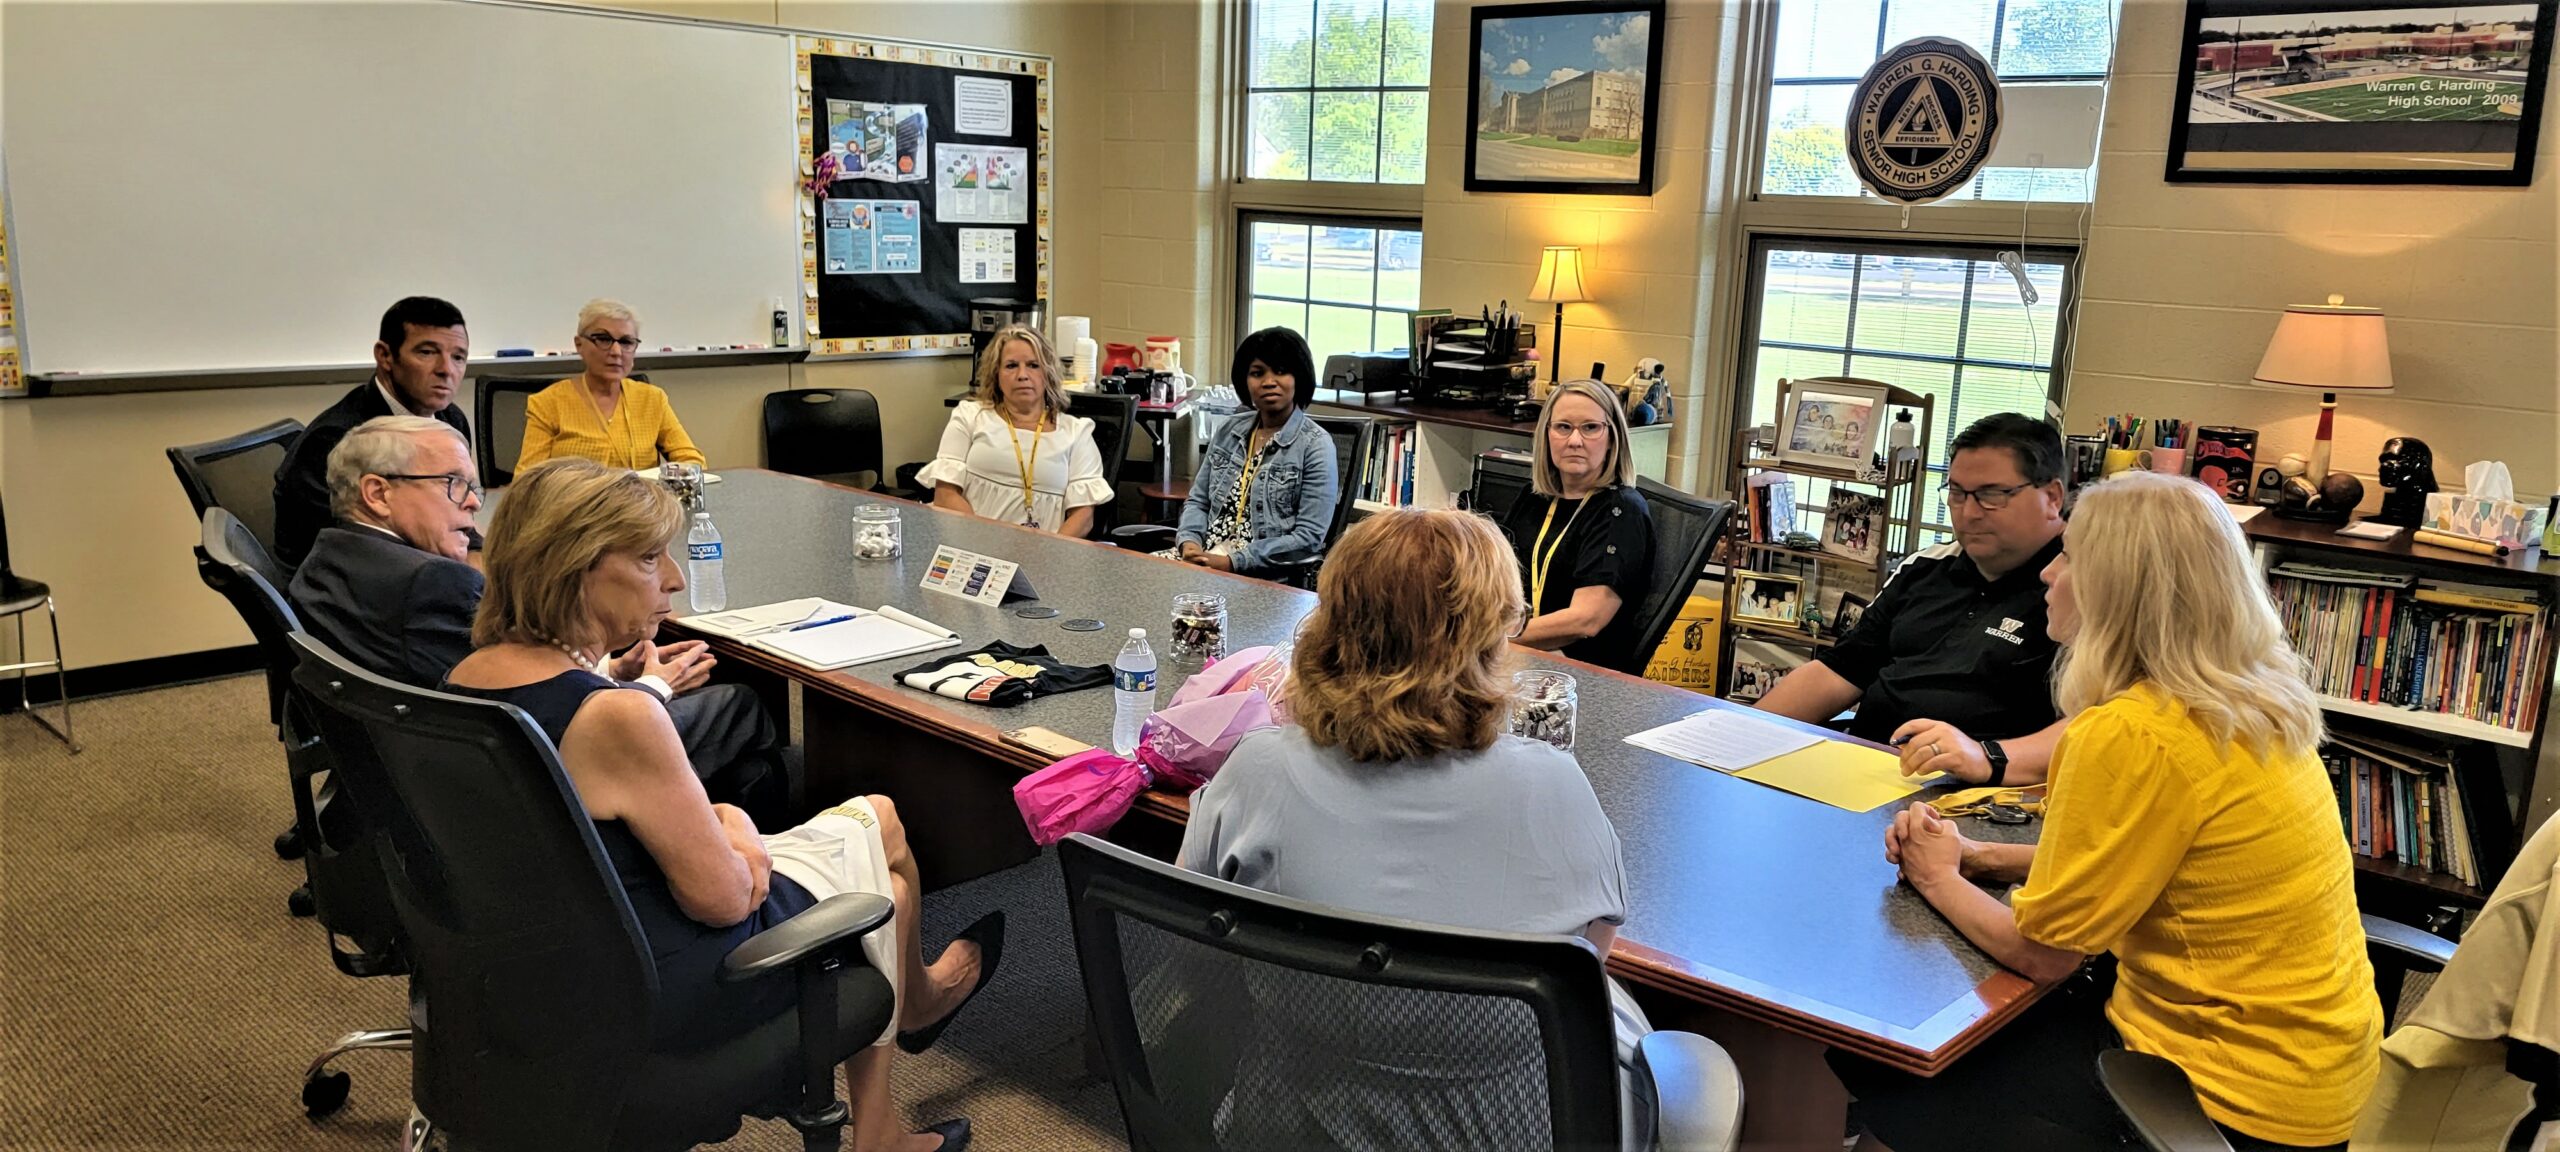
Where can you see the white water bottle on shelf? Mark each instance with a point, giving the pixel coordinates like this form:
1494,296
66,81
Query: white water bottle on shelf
702,576
1133,686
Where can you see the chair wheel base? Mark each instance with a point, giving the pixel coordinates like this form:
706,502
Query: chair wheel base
289,844
298,902
324,1094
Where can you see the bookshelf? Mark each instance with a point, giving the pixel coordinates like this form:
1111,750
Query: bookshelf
2529,794
1754,549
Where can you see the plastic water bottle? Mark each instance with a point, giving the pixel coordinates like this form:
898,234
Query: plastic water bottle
1133,684
709,588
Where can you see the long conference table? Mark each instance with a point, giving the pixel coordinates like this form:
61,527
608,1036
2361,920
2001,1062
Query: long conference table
1767,921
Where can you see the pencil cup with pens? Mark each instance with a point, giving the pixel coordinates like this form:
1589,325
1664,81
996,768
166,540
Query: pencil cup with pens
2126,448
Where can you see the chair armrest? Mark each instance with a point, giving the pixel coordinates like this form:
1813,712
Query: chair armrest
835,920
2413,949
2157,1100
1697,1092
1144,537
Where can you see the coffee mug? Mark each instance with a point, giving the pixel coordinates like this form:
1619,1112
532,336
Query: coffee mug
2120,460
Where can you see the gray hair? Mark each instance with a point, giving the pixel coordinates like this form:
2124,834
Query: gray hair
382,446
601,309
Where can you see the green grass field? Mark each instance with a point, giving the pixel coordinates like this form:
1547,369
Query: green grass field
2361,104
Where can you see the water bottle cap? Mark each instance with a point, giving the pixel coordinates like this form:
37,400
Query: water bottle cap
1137,633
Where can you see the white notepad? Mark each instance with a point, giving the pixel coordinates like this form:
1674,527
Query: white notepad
870,636
1725,739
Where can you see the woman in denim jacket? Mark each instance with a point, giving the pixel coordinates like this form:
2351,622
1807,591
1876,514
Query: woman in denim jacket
1268,484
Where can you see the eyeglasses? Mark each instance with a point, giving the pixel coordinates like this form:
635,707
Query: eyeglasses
1564,430
456,488
603,341
1992,497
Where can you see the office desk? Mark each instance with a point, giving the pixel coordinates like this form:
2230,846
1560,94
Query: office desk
1766,920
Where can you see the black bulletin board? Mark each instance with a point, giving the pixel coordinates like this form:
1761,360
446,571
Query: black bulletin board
926,310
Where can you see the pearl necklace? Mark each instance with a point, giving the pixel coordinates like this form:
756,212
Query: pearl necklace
575,656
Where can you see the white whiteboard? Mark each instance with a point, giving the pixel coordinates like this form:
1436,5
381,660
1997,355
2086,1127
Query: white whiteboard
206,186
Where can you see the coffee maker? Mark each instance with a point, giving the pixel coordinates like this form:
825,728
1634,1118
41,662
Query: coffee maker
987,315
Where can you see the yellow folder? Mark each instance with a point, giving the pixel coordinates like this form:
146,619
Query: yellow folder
1840,774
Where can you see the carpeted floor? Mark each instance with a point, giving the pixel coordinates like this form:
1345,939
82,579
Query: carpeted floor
154,994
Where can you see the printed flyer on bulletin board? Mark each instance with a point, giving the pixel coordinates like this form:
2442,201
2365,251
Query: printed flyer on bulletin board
873,237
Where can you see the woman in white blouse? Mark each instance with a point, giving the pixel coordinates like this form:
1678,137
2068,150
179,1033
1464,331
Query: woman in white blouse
1011,451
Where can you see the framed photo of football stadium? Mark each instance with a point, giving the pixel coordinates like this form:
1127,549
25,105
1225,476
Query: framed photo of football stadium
1564,96
2360,91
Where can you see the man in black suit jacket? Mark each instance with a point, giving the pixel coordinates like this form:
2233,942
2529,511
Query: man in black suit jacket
387,587
419,360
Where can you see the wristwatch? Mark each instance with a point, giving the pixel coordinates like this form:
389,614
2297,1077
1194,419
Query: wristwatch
1999,762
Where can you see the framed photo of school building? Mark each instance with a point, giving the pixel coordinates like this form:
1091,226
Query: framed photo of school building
2360,92
1563,97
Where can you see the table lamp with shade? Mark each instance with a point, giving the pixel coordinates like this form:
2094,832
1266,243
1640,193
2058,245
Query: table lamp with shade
2331,347
1560,283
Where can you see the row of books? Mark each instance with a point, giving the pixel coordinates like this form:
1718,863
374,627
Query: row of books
1769,511
2425,807
1386,477
2385,638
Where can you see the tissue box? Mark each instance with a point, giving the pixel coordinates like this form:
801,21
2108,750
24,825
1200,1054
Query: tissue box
2505,521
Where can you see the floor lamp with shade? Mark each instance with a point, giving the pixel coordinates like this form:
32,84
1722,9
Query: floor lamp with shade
2331,347
1560,283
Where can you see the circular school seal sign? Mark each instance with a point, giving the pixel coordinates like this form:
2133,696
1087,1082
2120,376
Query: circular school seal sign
1923,120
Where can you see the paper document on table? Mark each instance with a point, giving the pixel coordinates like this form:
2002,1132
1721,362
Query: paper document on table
1725,739
1840,774
746,623
871,636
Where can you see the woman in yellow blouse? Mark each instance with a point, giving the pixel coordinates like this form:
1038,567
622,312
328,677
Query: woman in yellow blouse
601,413
2190,835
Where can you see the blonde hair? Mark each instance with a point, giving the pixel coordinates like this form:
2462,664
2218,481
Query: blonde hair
1404,654
559,519
991,362
601,309
2167,593
1619,468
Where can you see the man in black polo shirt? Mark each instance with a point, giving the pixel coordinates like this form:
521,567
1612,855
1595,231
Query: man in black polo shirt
1952,662
419,358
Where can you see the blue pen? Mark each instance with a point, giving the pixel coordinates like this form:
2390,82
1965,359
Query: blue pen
819,623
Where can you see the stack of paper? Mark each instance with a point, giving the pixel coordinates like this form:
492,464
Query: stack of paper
1841,773
1725,739
825,635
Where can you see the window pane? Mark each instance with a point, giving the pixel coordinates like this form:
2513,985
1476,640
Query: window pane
1805,154
1281,314
1331,330
1910,304
1400,270
1279,259
1346,136
1350,38
1389,330
1821,38
1279,138
1804,298
1990,390
1967,20
2001,328
1283,43
1409,42
1400,150
2055,37
1343,265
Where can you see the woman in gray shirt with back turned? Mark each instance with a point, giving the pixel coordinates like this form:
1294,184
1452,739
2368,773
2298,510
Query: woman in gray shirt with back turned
1398,794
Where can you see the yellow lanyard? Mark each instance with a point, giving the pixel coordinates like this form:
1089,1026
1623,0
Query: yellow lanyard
604,430
1024,463
1540,563
1244,489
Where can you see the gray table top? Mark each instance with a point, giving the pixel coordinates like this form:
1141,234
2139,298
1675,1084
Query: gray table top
1740,895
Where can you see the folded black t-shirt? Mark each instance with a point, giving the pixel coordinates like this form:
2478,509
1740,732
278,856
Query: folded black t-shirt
1002,675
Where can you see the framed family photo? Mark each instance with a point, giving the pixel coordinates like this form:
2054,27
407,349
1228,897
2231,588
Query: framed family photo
2360,91
1758,665
1853,526
1768,598
1831,424
1564,97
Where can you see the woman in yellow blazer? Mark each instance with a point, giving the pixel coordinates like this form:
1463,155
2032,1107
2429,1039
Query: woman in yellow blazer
601,413
2190,840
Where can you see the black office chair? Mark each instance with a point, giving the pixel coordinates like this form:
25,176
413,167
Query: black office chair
533,991
497,424
1295,567
238,475
228,544
2158,1100
1178,966
829,433
1113,418
1684,533
18,597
